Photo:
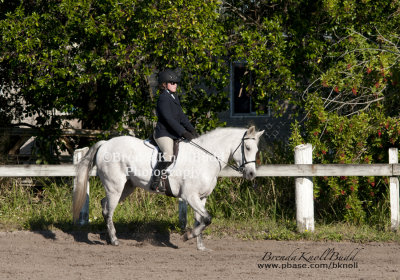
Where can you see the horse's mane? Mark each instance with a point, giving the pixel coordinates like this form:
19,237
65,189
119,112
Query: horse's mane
219,131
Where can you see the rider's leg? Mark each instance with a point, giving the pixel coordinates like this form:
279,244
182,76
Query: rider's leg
166,146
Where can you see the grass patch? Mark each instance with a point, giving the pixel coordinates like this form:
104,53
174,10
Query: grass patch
239,210
286,230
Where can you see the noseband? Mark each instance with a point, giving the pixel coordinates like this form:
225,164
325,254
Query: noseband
244,160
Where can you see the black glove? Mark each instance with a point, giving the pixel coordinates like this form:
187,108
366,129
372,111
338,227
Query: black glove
189,136
195,134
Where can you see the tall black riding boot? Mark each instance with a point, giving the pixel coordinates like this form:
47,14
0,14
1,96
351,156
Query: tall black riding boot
158,172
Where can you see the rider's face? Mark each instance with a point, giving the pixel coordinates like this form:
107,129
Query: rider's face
171,86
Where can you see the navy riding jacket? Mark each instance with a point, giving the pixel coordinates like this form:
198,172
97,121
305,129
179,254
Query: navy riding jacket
172,122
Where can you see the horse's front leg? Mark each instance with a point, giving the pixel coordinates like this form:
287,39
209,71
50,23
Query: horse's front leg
200,244
202,220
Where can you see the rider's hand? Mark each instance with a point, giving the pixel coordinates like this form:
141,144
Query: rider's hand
189,136
195,134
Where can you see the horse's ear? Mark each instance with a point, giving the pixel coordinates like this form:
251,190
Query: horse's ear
258,134
251,131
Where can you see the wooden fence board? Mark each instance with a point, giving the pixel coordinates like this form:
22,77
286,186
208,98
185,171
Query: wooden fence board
312,170
275,170
63,132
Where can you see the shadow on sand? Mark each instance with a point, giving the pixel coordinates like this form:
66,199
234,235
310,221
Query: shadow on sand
156,233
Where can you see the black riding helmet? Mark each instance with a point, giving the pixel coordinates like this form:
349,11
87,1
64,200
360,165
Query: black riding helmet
168,76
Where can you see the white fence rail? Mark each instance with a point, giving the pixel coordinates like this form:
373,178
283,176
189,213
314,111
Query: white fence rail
276,170
303,170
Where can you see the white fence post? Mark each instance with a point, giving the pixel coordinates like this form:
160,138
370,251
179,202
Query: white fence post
304,191
394,191
84,214
182,213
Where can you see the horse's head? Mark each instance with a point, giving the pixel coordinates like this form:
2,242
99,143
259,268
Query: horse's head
245,154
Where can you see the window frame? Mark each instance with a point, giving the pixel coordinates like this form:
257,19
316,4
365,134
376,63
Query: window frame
251,114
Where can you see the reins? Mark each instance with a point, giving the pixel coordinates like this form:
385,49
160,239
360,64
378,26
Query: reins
234,167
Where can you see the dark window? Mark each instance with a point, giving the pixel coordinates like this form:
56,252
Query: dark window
242,90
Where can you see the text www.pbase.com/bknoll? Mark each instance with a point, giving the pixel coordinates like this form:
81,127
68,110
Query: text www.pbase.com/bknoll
330,265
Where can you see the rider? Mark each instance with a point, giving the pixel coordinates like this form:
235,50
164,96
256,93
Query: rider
172,124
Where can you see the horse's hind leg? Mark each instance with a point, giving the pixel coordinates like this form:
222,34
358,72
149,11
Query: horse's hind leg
109,204
114,192
128,189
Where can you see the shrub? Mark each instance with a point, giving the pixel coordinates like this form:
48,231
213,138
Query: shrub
357,139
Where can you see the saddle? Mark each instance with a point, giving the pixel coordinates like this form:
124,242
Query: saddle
150,142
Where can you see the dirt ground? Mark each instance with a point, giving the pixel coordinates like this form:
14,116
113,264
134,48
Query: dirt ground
59,255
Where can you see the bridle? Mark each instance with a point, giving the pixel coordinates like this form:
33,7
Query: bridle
234,167
244,160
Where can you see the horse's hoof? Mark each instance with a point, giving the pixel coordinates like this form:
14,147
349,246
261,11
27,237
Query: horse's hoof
115,243
204,249
187,236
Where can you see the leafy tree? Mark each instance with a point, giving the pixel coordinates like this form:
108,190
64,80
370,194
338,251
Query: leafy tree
360,69
337,61
350,106
87,57
92,60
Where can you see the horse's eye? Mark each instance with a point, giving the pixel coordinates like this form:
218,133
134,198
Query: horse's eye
248,148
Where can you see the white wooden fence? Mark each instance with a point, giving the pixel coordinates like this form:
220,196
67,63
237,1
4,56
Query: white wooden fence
303,170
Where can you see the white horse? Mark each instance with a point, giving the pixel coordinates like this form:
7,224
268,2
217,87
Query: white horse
123,163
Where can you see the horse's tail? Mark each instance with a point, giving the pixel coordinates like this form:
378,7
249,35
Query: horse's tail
83,169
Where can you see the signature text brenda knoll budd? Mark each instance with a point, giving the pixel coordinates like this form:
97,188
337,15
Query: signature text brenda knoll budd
329,258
